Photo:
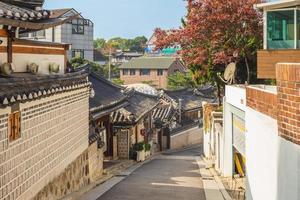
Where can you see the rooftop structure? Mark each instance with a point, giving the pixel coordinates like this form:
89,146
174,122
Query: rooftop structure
281,35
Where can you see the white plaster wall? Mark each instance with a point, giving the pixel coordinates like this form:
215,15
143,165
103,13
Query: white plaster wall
21,61
236,97
261,155
187,138
288,170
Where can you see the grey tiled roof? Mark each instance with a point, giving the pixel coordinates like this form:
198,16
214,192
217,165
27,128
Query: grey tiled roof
149,63
26,87
192,98
18,11
108,97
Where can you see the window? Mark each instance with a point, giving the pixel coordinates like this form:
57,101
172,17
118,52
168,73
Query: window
39,34
78,53
125,71
145,72
14,122
132,72
78,26
160,72
281,29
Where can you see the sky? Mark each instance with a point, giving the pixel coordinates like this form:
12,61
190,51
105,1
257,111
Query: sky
126,18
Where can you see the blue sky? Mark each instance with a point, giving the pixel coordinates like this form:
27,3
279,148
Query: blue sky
126,18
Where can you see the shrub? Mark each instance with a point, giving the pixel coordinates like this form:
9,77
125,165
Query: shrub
138,146
147,147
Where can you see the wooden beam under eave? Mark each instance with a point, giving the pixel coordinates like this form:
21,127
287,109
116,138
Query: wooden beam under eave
10,48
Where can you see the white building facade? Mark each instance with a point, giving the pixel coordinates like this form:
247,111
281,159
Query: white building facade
79,33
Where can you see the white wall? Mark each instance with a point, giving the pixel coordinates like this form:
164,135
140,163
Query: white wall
235,97
273,163
261,155
21,61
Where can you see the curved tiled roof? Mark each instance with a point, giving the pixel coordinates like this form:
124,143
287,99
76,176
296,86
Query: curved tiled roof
26,87
10,11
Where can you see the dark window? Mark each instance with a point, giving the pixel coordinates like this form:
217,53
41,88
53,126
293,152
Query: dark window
14,127
160,72
132,72
145,72
78,26
125,72
78,53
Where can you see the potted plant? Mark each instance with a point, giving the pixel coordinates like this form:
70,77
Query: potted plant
139,148
53,68
147,149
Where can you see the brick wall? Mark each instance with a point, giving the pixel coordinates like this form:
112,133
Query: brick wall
158,81
288,82
54,132
262,101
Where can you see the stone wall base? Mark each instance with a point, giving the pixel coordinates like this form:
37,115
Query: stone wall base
87,168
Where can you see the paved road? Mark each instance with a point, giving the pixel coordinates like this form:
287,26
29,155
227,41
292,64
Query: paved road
169,177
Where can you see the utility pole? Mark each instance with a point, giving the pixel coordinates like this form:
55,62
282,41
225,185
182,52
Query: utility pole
109,64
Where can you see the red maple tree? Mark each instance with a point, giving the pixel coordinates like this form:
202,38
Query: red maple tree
214,33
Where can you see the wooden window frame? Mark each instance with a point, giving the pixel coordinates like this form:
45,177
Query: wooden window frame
145,72
14,126
160,72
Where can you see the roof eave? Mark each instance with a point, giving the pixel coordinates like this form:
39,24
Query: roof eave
278,4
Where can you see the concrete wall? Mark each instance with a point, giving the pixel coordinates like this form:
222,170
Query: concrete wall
235,101
262,152
78,41
54,132
187,138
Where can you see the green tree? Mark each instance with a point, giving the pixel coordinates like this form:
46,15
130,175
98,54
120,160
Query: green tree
99,43
181,80
117,81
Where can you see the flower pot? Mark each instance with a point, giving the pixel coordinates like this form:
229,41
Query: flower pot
140,156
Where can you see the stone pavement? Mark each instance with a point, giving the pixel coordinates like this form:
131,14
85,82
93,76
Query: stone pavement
171,175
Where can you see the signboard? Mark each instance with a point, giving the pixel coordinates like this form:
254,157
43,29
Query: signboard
239,137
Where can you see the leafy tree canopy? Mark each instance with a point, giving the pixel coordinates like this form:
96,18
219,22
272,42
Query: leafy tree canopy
215,33
180,80
137,44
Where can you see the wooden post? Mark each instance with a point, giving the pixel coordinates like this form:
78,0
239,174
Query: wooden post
9,47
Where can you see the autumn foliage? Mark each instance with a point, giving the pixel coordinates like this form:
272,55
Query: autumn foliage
215,32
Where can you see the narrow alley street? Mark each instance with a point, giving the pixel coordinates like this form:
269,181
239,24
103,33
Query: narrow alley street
169,176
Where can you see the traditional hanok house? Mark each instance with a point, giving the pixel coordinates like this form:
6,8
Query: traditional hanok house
43,111
165,118
134,123
262,122
189,102
107,98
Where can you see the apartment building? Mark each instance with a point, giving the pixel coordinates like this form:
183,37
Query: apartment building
151,70
78,32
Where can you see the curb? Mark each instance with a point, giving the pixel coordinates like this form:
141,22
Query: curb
218,181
